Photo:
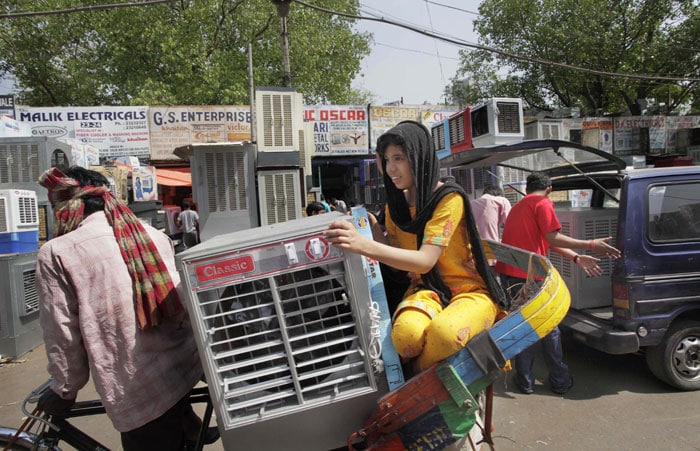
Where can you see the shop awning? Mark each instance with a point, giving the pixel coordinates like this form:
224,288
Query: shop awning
174,176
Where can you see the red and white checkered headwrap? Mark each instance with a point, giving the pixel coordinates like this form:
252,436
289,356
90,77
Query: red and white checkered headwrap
154,293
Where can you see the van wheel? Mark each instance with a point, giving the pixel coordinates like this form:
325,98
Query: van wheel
676,360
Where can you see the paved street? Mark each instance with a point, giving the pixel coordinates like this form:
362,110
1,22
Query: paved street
615,404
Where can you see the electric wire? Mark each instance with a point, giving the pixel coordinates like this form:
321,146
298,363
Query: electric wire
437,50
81,8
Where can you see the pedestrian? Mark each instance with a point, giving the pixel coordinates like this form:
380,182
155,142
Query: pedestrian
490,212
430,234
325,204
315,208
188,219
111,310
339,205
533,225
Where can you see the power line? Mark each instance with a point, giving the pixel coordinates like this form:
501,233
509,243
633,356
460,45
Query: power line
415,51
81,9
452,7
437,51
507,54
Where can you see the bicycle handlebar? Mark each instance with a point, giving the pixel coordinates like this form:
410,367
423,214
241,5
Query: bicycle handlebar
33,398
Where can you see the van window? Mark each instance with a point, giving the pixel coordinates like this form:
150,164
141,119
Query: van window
674,212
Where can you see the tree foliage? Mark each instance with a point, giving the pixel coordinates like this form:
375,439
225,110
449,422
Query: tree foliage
186,52
652,37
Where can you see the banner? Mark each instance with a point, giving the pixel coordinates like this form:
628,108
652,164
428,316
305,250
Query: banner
630,133
114,131
339,130
382,118
177,126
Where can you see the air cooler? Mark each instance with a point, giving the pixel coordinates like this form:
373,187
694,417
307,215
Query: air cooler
20,331
283,326
586,224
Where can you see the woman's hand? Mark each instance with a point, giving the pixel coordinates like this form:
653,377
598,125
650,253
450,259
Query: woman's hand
343,234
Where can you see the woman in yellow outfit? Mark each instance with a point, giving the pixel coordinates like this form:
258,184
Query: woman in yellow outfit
431,235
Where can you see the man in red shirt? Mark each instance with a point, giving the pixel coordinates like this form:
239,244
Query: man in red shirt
533,225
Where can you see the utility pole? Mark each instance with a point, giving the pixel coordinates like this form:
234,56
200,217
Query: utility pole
283,12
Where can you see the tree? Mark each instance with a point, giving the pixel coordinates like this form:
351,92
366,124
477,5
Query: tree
653,37
183,52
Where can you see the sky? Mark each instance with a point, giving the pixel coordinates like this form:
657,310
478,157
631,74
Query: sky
405,64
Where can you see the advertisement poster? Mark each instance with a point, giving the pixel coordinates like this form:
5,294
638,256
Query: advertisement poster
382,118
114,131
339,130
114,138
144,185
597,133
631,133
675,141
7,106
177,126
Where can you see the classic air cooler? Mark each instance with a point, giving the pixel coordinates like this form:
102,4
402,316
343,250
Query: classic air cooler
284,329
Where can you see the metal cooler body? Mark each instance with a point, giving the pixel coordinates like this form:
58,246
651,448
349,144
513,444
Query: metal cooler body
283,326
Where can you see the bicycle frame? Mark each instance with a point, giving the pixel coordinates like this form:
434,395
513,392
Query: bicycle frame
59,429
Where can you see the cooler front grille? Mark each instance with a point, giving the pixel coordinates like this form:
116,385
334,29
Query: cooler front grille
227,184
508,117
19,163
3,215
283,343
277,119
28,213
31,296
456,129
439,136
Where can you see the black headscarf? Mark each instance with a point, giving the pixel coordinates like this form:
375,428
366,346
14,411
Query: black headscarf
418,146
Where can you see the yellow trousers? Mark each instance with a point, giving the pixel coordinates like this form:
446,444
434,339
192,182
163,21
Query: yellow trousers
422,329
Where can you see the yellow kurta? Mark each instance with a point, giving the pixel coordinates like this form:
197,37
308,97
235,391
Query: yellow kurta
422,328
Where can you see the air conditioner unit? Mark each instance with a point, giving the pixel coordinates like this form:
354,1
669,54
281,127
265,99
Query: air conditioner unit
171,214
283,327
279,192
279,117
18,210
19,221
497,121
459,131
517,176
24,159
586,224
20,331
223,186
439,132
544,129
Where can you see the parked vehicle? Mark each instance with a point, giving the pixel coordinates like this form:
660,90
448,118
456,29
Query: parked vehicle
649,299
